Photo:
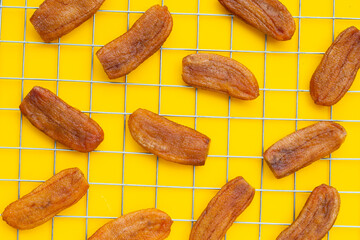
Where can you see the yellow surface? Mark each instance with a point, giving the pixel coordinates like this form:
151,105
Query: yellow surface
124,182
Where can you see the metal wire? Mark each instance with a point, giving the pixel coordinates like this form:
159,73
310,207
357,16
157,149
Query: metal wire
196,116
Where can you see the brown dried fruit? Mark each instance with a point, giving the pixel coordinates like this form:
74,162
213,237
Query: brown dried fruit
56,194
145,37
149,224
60,121
304,147
221,74
317,217
167,139
337,70
232,199
55,18
269,16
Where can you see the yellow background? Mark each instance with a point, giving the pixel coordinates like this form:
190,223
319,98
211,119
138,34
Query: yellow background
121,179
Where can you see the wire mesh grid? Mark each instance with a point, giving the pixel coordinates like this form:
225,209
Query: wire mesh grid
260,223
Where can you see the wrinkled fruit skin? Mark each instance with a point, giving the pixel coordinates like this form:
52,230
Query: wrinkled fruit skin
145,37
167,139
232,199
304,147
60,121
221,74
337,70
317,217
269,16
55,18
148,224
56,194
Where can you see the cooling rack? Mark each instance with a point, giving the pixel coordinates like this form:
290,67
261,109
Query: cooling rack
124,178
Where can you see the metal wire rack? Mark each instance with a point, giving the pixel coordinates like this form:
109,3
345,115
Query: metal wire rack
260,223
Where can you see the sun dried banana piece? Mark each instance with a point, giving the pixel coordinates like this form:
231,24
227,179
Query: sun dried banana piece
55,18
60,121
317,217
232,199
167,139
145,37
338,68
269,16
149,224
303,147
221,74
56,194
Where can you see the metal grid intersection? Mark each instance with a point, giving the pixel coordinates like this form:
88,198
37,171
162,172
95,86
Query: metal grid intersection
195,116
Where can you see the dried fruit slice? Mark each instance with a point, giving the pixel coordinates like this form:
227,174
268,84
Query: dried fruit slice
127,52
303,147
221,74
317,217
269,16
60,121
232,199
37,207
55,18
338,68
167,139
149,224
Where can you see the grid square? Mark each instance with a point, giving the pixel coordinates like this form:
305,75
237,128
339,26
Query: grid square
204,176
202,197
279,77
10,128
348,181
95,223
105,200
178,6
46,64
45,159
320,31
248,168
80,35
246,231
272,202
11,56
108,97
75,94
148,73
212,103
171,72
285,99
174,174
308,110
139,5
179,197
12,24
349,206
69,228
307,66
146,174
115,5
347,149
82,69
71,159
137,198
217,130
179,230
214,27
346,8
9,169
10,93
149,98
254,40
105,167
170,103
41,232
245,144
116,25
308,9
184,28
